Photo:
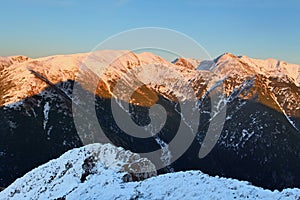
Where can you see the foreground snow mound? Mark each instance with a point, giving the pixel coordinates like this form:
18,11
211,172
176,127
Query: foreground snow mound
97,172
105,165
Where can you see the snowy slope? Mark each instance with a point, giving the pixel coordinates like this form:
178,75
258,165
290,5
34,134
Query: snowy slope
19,82
229,63
273,67
62,178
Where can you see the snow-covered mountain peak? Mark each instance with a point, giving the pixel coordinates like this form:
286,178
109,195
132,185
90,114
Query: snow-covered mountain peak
189,63
229,63
79,174
274,68
102,164
225,56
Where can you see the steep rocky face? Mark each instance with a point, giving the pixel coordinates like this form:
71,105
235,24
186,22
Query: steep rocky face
259,141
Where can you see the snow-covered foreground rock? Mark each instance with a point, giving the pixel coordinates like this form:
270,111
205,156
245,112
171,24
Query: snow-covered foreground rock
101,171
78,169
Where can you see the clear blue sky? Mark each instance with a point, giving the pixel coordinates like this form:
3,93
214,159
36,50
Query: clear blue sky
257,28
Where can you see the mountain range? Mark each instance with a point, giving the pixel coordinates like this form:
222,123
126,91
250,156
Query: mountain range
258,141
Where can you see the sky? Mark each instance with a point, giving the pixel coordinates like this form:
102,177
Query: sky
256,28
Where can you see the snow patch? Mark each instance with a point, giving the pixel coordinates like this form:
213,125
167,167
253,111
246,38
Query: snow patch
46,114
